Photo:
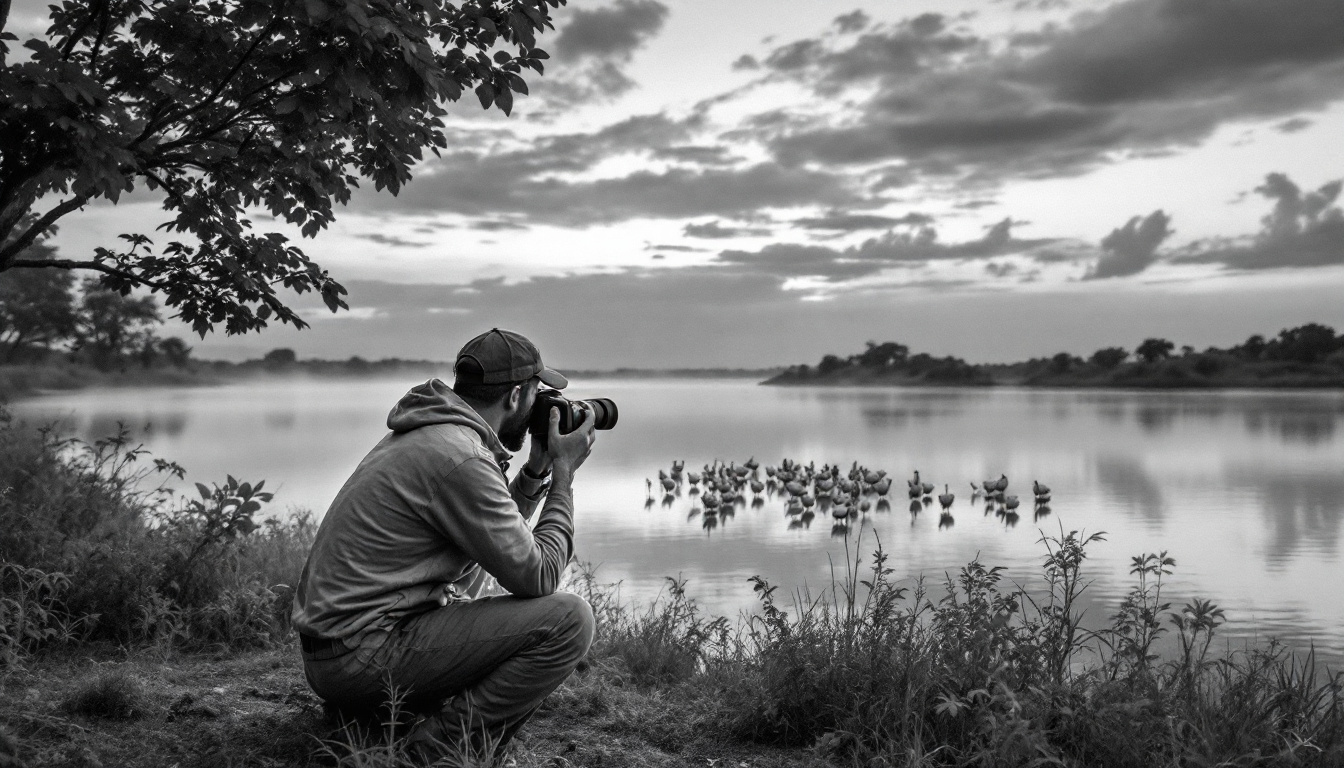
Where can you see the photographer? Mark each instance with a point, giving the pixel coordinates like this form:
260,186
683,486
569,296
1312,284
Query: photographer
388,600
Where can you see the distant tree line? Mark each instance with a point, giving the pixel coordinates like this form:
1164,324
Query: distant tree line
1308,354
45,314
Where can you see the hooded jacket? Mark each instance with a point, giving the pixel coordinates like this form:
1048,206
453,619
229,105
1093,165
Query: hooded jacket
428,514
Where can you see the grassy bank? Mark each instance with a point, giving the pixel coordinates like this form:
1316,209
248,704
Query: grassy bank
28,379
136,629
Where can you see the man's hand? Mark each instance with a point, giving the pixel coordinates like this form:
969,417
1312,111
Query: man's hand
568,452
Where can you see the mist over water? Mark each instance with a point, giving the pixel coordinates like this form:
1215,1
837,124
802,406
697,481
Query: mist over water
1244,489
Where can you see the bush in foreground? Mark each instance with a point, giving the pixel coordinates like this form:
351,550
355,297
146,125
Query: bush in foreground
93,546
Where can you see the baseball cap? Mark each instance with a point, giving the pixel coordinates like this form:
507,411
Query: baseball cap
503,357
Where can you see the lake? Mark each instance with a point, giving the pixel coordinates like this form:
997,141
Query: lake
1244,489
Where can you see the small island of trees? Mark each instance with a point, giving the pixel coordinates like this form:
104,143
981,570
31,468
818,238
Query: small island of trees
1310,355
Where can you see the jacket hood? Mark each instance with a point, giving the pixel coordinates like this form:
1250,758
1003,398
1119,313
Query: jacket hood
436,403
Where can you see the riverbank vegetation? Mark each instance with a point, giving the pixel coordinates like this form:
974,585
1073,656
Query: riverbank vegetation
140,628
1311,355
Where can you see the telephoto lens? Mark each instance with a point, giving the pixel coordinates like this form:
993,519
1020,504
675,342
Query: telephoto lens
572,414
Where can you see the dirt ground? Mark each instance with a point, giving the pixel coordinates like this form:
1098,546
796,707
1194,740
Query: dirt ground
256,710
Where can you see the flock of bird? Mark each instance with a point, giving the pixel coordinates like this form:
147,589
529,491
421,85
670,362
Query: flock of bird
807,490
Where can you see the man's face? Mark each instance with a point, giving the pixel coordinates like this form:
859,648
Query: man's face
514,429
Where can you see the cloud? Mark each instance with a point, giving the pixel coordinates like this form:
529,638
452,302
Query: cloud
1132,248
525,184
745,62
854,21
1303,230
715,231
853,222
1139,77
592,49
391,240
908,246
497,226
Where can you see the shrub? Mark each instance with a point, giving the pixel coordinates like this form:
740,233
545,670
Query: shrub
113,694
130,563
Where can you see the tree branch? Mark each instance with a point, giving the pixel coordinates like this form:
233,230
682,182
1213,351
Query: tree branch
96,266
42,225
237,67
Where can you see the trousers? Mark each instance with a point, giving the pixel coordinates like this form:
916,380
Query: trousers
481,668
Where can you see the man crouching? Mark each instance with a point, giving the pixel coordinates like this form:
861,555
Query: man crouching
389,597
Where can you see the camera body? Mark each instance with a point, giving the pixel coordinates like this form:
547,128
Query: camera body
572,414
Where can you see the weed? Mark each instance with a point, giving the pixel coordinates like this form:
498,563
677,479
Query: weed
113,695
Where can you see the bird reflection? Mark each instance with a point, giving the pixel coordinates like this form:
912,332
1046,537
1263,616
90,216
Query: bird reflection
839,529
945,521
916,507
711,522
648,503
668,501
1042,510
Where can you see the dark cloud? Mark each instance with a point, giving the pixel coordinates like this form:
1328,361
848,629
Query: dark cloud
523,184
854,21
391,240
908,246
1130,249
1303,230
613,32
1293,125
746,62
1142,77
497,226
696,154
678,248
854,222
713,230
592,50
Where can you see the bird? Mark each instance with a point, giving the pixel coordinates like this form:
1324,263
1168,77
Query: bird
1038,489
946,498
757,486
669,484
1002,483
882,486
1011,503
928,489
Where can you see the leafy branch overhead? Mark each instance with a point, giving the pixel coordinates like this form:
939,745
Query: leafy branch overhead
229,106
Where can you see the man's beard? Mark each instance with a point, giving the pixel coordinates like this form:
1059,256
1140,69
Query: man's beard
514,430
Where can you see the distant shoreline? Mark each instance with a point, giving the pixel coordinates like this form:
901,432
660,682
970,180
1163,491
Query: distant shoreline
1163,375
35,380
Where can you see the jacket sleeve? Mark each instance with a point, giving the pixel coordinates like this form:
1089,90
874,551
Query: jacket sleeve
475,510
526,493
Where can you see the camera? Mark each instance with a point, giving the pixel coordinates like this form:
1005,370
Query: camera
572,414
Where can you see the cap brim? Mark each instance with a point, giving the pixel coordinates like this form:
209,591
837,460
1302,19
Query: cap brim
553,378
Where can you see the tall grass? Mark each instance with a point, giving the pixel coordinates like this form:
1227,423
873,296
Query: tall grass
93,546
977,671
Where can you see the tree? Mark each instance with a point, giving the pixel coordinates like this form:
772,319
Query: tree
279,358
883,355
1062,362
234,106
111,326
1108,357
1152,350
1252,349
36,307
1308,343
830,363
175,351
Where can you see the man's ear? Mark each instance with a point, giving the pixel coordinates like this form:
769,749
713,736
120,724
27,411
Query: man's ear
516,397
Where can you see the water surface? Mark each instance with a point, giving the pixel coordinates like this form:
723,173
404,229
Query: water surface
1244,489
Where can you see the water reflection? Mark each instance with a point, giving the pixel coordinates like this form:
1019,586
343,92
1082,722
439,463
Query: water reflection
1125,478
1245,489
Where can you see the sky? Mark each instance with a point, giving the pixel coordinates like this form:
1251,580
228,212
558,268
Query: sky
761,182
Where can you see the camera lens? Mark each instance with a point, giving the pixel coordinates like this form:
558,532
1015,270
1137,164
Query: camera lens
604,412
